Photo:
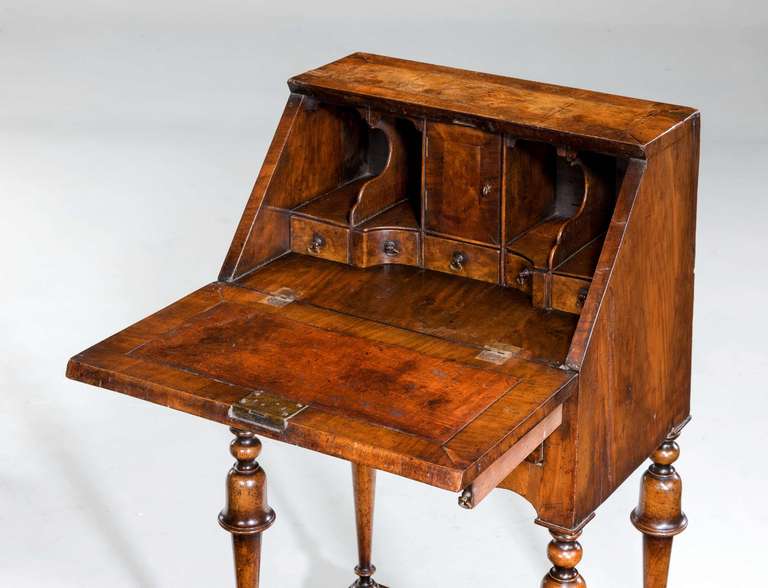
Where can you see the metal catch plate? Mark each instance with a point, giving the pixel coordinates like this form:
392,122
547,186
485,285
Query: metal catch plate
265,410
280,298
494,355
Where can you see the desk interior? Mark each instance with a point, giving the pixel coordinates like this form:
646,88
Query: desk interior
437,304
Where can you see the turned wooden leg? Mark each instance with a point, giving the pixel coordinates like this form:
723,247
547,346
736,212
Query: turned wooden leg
565,553
364,485
659,515
246,513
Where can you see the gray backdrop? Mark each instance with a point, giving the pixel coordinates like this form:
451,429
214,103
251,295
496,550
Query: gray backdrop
130,135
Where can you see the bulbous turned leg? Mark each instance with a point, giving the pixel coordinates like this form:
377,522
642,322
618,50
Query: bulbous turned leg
565,553
364,485
659,515
246,514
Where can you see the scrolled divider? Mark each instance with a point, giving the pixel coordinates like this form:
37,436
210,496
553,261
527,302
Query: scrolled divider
390,186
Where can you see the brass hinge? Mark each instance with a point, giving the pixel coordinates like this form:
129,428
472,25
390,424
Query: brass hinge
265,410
280,298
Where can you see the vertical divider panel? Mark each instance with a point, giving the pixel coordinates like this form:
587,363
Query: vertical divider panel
390,184
423,207
506,143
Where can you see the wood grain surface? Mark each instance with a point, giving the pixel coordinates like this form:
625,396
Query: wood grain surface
531,110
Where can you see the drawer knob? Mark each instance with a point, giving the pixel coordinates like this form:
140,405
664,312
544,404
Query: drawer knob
391,248
581,297
523,277
318,242
458,259
486,189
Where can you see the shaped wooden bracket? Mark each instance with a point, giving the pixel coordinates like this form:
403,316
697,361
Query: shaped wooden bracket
389,187
590,219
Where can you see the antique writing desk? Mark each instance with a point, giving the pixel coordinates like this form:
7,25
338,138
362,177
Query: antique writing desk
473,281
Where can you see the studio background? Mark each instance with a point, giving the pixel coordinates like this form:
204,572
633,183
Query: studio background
130,136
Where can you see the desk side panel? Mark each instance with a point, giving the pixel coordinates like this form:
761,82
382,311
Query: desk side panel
253,220
636,374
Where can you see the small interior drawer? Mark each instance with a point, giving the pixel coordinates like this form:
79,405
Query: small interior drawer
319,239
461,259
568,294
383,246
518,273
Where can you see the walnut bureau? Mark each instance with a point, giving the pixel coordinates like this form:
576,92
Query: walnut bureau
472,281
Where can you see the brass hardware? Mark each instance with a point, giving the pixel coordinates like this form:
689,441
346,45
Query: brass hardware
458,259
265,410
523,276
466,500
582,297
464,123
391,248
536,457
318,242
486,189
495,355
279,300
568,153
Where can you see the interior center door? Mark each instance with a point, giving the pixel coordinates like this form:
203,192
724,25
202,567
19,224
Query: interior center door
463,176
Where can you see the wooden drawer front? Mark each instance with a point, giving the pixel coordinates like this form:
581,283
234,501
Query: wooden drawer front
461,259
319,239
384,246
463,177
568,294
518,273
